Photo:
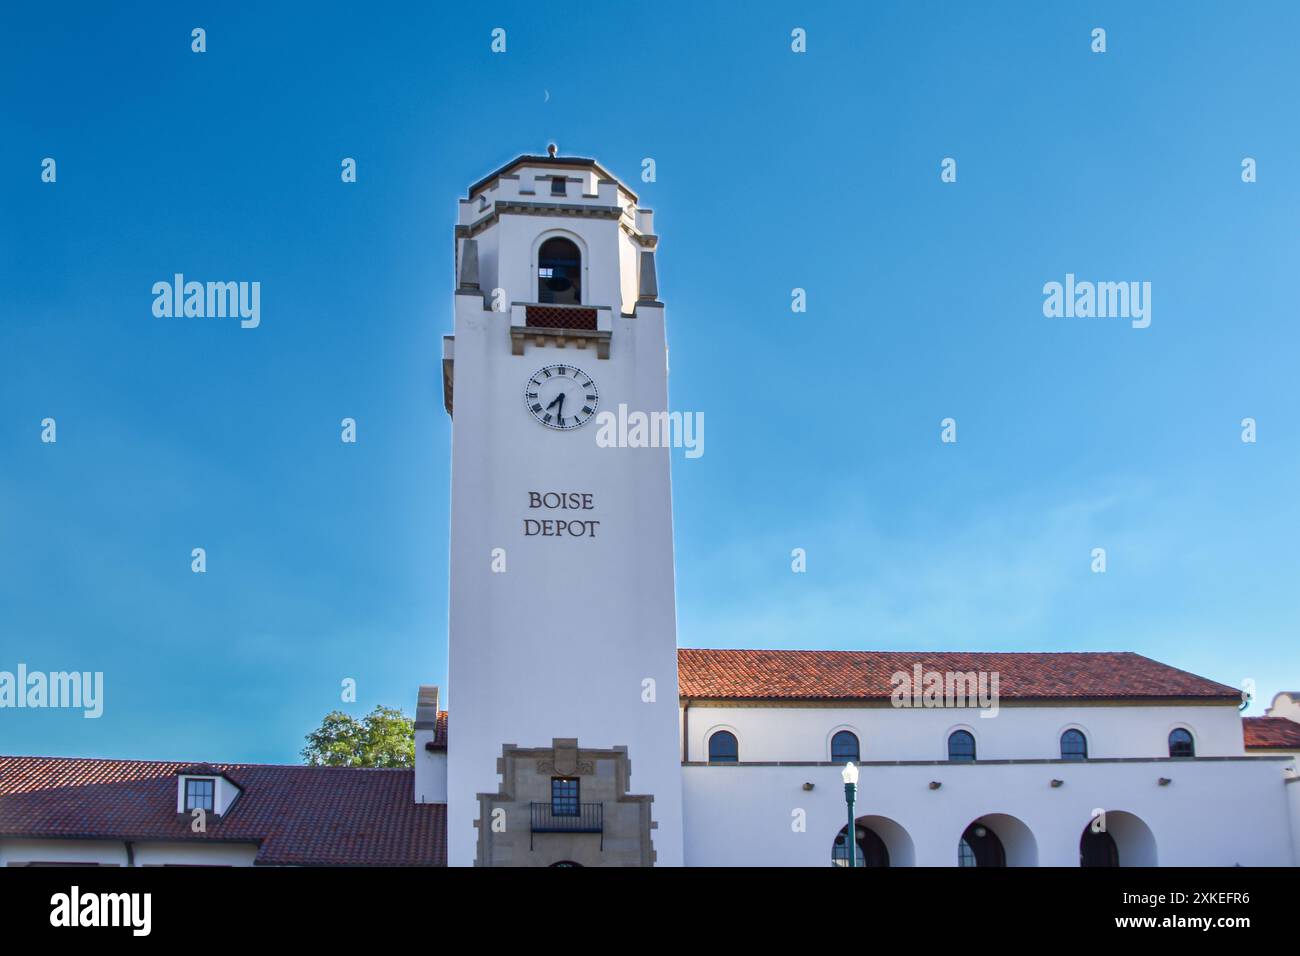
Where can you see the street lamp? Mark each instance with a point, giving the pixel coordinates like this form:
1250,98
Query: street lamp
850,775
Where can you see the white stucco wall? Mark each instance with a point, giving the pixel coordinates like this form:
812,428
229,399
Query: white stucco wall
560,644
1285,705
21,852
114,853
430,773
887,733
1215,812
1292,787
184,854
741,814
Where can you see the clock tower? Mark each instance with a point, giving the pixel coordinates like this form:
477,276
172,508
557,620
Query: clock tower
563,736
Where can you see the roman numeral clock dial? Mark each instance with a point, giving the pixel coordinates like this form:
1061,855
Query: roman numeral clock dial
561,396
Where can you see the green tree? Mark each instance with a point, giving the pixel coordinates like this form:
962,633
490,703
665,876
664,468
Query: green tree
383,738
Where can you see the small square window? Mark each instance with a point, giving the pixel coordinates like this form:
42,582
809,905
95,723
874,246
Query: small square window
558,185
198,794
564,796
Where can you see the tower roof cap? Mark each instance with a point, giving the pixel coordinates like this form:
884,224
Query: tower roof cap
560,162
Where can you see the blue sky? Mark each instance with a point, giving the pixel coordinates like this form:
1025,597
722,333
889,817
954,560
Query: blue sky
774,171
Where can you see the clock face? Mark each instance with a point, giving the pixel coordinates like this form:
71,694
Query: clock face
561,396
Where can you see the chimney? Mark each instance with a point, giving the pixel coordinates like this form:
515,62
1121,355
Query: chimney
430,750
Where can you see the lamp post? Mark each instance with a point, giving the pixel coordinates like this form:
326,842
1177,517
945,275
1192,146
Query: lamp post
850,775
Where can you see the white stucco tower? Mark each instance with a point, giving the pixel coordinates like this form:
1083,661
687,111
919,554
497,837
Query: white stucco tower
562,611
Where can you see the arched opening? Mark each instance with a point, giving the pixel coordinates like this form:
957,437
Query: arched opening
897,840
997,839
566,863
872,850
1097,848
1117,838
1181,743
723,747
559,272
980,846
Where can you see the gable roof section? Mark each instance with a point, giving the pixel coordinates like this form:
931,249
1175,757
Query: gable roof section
865,675
299,816
1270,733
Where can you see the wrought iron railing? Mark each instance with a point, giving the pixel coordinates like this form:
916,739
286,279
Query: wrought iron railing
571,818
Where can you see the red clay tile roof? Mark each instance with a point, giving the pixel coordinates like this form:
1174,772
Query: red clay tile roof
440,732
309,816
1270,733
865,675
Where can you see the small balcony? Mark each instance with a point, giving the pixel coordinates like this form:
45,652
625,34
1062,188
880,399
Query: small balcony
560,325
554,316
584,818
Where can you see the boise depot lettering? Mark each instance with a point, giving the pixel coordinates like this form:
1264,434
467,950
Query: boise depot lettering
560,527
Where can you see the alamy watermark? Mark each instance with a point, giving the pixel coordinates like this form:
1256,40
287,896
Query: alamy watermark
922,688
209,300
651,430
79,690
1102,300
128,910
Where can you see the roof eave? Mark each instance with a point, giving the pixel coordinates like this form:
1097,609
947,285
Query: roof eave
552,161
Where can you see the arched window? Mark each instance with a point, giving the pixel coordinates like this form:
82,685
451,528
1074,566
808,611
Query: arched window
559,272
844,747
1074,745
1180,743
723,747
961,745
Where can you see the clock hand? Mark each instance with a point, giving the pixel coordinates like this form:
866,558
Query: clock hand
558,399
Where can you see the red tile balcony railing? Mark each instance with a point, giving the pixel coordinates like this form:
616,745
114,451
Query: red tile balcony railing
560,317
